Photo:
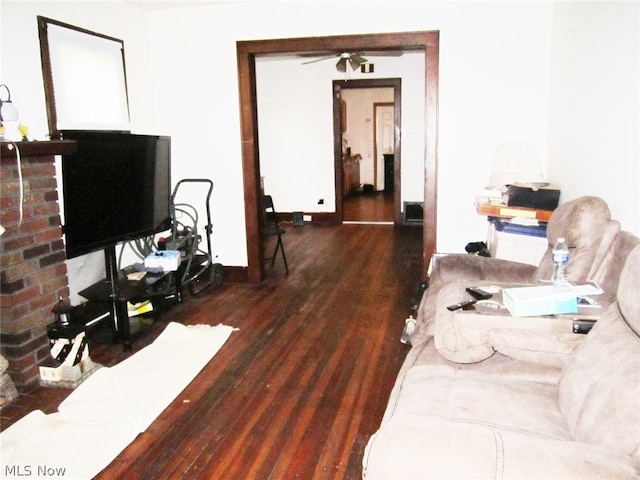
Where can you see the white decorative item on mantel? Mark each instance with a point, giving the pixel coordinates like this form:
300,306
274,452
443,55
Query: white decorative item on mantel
9,118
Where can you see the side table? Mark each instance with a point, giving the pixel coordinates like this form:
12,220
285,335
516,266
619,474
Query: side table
510,241
118,293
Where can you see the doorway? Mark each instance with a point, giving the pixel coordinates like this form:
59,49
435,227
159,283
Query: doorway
427,42
384,129
376,202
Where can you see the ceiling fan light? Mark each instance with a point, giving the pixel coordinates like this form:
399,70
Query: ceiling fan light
356,60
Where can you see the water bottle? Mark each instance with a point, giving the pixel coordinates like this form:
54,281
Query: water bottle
560,256
409,328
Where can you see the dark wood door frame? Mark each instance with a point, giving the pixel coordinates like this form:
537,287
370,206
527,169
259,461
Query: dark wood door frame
339,85
427,42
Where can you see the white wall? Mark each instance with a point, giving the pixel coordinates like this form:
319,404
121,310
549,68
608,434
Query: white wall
20,69
495,85
594,132
295,121
20,61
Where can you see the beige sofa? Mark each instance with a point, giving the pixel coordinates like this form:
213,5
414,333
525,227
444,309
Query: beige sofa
509,417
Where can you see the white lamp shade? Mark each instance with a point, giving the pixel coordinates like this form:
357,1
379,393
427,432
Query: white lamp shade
8,112
9,115
516,162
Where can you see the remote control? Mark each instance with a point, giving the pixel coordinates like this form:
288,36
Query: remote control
457,306
582,326
478,293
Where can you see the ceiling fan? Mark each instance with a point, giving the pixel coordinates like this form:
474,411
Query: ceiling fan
354,59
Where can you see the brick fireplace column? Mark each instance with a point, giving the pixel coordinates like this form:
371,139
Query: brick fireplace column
33,273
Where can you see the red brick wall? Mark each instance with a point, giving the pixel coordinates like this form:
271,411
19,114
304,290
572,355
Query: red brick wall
33,273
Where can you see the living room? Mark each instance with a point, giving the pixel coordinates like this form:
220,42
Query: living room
518,70
561,74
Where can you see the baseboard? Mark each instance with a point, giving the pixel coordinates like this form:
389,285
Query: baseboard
324,218
236,274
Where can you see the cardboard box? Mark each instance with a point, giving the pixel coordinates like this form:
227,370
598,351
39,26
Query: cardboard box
54,371
542,300
67,369
168,260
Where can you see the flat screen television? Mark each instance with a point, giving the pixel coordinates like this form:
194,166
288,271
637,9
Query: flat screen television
116,188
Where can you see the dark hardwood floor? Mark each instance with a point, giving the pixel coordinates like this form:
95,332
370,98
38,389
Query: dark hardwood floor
368,207
299,388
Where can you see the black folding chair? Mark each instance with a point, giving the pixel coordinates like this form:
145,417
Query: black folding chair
272,229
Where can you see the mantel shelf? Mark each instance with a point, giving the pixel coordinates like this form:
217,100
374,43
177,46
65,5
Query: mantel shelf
37,149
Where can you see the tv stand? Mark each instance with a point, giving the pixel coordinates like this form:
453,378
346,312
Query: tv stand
116,290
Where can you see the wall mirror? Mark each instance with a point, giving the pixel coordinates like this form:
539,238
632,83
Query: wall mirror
84,78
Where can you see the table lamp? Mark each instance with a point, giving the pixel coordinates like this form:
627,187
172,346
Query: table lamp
516,162
9,118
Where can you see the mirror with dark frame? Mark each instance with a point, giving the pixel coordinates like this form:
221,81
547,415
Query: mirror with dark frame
84,79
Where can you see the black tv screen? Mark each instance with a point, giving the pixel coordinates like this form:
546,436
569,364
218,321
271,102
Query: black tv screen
116,188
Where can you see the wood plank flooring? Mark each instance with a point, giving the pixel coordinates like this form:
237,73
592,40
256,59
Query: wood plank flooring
299,388
372,207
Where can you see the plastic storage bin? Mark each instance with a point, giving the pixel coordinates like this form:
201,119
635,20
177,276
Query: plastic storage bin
520,243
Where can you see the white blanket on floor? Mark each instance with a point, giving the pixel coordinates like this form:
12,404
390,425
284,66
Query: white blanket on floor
107,411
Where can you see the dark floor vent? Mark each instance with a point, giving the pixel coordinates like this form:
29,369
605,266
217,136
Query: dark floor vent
412,213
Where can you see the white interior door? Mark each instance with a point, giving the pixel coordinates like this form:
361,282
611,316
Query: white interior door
384,140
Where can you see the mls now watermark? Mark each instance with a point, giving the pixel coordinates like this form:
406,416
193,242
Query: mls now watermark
25,471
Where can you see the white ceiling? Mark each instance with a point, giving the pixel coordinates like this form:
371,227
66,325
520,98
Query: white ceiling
166,4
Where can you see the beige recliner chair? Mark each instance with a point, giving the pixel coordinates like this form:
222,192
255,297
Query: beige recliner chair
586,225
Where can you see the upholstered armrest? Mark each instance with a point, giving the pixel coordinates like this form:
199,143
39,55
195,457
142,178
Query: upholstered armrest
458,266
473,336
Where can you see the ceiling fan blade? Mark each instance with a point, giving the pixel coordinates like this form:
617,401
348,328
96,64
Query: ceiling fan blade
318,59
320,53
341,66
383,53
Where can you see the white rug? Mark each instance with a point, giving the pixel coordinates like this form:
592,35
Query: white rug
106,412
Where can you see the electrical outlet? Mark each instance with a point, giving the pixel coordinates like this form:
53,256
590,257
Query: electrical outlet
306,218
321,201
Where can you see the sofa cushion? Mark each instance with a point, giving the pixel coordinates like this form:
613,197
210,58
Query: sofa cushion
450,423
599,390
412,447
607,269
482,399
628,287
